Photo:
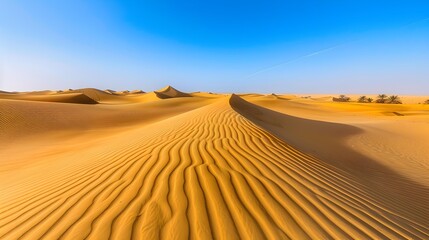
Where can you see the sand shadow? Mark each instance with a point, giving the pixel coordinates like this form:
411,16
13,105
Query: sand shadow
327,142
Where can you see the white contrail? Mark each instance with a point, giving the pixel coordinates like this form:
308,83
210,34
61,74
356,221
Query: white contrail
295,60
318,52
416,22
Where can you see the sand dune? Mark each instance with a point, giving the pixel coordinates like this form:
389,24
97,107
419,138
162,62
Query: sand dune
96,95
110,91
207,95
64,98
170,92
137,91
93,95
25,119
204,167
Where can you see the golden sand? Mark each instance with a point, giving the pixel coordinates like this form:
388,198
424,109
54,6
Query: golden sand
99,164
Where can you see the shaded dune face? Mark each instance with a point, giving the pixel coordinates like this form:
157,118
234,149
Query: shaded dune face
215,172
170,92
79,98
94,96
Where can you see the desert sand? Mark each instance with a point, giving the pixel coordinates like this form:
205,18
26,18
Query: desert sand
106,164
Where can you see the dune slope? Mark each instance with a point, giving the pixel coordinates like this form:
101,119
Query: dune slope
208,173
170,92
79,98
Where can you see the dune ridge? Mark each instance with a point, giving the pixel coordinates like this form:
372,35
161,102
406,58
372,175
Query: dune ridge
209,173
93,95
170,92
79,98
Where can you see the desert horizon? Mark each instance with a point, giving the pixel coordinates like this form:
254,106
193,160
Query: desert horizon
89,163
214,120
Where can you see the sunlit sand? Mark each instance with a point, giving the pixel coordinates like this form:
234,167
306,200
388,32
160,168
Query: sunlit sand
101,164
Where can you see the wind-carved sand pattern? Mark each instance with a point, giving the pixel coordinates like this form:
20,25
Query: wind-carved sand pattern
209,173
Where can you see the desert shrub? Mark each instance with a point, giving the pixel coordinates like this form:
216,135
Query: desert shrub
342,98
362,99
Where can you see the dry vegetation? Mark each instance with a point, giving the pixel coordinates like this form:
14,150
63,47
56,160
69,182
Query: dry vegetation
382,98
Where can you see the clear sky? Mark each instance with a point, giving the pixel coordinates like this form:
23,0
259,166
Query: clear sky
222,46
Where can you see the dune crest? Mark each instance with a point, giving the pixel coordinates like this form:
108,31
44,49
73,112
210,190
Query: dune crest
208,173
95,94
170,92
137,91
79,98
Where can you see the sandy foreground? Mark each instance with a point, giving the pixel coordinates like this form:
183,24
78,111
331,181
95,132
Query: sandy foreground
95,164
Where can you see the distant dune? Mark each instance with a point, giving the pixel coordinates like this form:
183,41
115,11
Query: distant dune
52,97
137,92
173,165
95,94
170,92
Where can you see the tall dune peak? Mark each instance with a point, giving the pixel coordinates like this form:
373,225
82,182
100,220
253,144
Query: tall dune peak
171,92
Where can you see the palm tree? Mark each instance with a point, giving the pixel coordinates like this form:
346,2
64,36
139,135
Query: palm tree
381,98
370,100
394,99
362,99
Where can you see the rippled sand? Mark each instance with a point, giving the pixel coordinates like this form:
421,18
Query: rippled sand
98,164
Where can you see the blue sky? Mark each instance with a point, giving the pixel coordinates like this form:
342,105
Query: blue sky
222,46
